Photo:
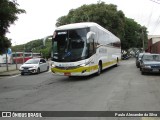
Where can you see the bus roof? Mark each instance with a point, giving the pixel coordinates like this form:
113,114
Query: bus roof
83,25
76,25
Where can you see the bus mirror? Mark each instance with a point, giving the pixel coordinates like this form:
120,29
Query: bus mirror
90,36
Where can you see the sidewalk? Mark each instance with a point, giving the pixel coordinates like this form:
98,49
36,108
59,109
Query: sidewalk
11,70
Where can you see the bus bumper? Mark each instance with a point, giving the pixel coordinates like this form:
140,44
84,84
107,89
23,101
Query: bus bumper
81,71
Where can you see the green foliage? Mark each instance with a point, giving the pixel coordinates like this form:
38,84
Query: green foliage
46,51
35,46
4,44
8,14
107,15
134,35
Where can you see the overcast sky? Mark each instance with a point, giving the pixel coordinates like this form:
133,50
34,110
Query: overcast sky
41,15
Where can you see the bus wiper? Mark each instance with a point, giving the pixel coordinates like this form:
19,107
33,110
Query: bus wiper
67,54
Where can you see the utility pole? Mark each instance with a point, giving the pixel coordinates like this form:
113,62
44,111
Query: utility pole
143,40
23,53
6,60
15,57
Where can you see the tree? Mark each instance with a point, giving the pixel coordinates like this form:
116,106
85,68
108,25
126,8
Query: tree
35,46
107,15
8,15
135,35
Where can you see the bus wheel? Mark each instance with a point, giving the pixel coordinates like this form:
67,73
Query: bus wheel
117,61
99,68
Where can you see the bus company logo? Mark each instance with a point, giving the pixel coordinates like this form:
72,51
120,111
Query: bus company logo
6,114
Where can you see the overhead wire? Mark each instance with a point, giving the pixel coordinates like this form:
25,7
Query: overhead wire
156,25
158,19
150,16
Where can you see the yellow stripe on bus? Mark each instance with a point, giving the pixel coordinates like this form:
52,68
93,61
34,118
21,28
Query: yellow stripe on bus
109,63
80,69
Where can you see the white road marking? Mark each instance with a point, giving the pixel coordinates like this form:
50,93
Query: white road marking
19,75
14,76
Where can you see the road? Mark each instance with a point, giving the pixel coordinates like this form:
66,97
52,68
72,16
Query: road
121,88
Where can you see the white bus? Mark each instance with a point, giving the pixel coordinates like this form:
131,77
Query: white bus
81,49
4,60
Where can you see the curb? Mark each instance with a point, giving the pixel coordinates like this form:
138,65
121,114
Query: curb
9,73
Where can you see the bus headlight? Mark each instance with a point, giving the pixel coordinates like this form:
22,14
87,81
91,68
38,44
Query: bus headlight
85,64
52,65
82,65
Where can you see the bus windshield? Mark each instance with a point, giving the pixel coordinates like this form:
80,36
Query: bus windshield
70,45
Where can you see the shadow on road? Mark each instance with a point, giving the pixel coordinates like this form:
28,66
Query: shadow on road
151,74
84,78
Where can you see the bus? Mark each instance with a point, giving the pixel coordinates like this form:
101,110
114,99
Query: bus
6,57
21,57
3,59
82,49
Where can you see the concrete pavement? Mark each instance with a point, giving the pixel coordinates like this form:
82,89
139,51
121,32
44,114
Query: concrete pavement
11,70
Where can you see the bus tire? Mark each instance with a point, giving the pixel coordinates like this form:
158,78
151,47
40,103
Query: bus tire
117,61
99,68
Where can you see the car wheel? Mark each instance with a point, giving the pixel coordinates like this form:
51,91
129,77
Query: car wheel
38,70
117,61
22,73
140,69
143,73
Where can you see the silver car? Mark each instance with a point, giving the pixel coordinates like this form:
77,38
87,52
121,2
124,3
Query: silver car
150,63
35,65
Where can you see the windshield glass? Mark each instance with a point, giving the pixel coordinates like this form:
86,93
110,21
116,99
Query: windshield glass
151,57
70,45
32,61
140,55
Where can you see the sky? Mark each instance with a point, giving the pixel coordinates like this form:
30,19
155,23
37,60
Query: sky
41,16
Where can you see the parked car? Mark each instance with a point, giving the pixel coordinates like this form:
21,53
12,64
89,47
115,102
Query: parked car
35,65
150,63
138,58
125,56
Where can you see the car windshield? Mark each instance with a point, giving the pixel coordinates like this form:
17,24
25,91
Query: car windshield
140,55
32,61
151,57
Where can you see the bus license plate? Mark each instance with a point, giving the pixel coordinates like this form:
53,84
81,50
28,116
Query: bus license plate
67,74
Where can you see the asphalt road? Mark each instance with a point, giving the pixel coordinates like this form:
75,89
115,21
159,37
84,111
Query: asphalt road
121,88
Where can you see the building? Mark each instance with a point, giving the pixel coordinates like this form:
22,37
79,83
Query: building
153,44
